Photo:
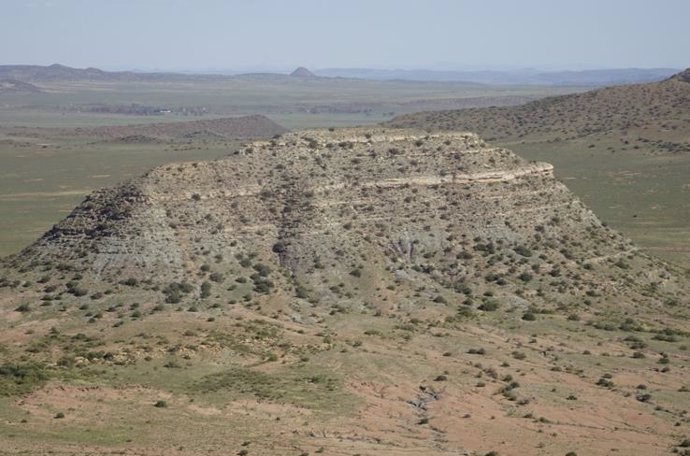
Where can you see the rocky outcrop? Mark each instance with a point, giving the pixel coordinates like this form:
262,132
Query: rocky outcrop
430,210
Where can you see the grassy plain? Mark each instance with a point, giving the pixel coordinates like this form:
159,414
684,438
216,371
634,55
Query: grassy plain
645,196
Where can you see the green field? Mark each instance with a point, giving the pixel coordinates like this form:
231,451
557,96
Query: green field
645,196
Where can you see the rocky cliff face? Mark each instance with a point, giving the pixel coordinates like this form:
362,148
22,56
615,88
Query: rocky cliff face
345,217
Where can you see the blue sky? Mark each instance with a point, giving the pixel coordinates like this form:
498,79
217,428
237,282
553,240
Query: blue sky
272,34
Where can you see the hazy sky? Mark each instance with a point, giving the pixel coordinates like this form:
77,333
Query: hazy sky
273,34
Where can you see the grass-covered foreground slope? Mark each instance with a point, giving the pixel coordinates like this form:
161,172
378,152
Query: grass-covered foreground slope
366,291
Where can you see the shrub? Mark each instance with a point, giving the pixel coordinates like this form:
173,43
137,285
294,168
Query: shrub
525,277
175,291
217,277
21,378
279,247
524,251
130,282
262,269
160,404
205,290
489,305
23,308
528,316
605,383
644,397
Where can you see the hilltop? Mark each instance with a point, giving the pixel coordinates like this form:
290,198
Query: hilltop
349,291
302,72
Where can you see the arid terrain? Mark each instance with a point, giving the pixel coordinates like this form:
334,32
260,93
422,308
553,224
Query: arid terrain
624,150
344,291
270,228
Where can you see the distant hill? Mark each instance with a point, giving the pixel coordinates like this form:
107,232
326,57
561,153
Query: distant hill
302,72
12,85
226,128
57,72
246,127
584,78
660,106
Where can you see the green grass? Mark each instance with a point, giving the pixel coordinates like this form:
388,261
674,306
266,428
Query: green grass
645,196
18,379
299,386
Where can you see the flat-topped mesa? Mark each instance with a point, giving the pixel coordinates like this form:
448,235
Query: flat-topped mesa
436,209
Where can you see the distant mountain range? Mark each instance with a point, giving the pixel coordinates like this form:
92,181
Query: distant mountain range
57,72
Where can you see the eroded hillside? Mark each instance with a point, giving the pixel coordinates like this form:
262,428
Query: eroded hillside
623,150
397,205
357,291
